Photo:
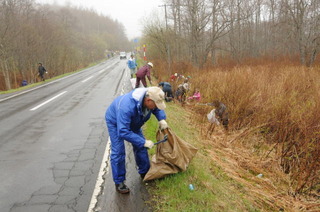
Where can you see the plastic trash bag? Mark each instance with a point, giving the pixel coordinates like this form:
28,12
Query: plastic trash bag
133,83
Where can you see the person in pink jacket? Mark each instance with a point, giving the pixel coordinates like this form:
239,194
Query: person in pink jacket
196,96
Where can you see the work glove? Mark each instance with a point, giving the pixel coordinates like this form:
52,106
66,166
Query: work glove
163,124
149,144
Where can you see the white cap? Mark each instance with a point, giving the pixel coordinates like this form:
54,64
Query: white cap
157,95
150,64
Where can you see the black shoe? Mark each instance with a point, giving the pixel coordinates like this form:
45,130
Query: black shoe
143,175
122,188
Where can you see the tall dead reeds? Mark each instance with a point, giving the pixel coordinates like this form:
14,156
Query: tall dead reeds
284,101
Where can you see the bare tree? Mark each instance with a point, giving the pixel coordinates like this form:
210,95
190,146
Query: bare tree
155,35
304,20
244,29
10,31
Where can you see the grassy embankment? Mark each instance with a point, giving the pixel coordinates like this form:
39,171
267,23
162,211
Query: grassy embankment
274,114
214,189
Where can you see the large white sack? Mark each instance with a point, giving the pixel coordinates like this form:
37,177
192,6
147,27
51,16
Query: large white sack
133,83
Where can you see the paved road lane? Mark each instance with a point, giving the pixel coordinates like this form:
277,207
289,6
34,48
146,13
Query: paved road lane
52,140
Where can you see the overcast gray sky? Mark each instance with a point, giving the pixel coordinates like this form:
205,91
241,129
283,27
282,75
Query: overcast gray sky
128,12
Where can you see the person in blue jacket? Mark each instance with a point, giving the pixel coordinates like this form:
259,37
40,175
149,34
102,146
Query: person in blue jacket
132,65
125,117
166,87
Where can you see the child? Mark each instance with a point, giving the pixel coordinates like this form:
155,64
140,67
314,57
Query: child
196,96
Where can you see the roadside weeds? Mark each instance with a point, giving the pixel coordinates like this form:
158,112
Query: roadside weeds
224,172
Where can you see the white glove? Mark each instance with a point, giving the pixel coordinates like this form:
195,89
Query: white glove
149,144
163,124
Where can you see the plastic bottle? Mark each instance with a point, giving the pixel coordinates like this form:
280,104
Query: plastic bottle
191,187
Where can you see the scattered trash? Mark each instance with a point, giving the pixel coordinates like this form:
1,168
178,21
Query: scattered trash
260,175
191,187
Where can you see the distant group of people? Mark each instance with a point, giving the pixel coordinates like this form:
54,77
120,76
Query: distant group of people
175,90
218,115
179,91
142,74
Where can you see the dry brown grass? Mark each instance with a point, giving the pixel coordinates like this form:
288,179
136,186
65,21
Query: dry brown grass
274,123
243,154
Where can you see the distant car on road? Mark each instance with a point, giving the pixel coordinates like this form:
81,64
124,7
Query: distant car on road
123,55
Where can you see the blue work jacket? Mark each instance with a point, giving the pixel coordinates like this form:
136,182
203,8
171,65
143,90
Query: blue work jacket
132,63
125,113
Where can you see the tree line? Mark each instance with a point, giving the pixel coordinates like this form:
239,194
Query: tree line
64,39
201,31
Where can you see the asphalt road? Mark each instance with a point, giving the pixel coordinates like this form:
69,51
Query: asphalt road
54,145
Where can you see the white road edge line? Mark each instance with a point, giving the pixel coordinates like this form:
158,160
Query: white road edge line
100,180
49,100
87,79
